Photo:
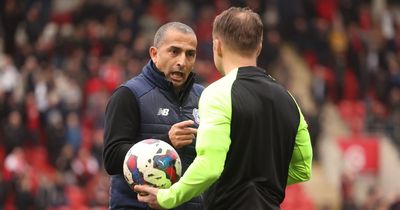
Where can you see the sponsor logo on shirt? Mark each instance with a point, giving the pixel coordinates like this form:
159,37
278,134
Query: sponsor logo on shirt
163,111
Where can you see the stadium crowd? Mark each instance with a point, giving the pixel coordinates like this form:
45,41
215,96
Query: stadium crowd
61,60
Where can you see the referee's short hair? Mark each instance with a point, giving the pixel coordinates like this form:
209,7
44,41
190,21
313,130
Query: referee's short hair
239,28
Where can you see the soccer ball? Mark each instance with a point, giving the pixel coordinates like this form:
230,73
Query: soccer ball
153,162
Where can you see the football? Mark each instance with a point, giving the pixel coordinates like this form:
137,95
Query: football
153,162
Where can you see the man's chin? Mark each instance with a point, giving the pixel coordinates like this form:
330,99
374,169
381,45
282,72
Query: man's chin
177,85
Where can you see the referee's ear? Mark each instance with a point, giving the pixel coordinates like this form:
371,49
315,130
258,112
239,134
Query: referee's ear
259,49
217,47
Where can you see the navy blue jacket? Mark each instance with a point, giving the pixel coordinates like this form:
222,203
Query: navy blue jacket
145,107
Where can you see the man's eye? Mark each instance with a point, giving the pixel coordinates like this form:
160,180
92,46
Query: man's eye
191,54
174,51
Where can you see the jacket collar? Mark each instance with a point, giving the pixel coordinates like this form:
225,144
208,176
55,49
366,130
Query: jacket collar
155,76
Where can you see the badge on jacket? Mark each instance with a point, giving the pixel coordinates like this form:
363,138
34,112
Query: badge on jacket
196,115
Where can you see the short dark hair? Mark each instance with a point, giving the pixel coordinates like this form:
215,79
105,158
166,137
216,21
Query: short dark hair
240,28
160,34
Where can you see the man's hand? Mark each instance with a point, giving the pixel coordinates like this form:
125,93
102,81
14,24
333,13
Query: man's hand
181,134
147,194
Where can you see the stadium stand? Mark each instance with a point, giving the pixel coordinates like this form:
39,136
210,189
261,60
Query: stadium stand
60,61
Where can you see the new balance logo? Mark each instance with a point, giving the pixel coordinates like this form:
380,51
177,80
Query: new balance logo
163,112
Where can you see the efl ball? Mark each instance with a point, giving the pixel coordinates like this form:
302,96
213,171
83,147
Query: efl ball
153,162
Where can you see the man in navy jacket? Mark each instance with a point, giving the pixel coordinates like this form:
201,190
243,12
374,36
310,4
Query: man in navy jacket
160,103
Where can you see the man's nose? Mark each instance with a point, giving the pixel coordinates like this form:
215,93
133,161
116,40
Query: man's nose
181,60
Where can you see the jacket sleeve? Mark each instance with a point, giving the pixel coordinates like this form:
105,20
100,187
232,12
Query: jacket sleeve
120,129
300,164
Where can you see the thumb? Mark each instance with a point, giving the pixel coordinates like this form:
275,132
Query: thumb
144,190
140,189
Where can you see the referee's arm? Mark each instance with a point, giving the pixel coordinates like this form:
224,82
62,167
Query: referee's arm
300,164
213,141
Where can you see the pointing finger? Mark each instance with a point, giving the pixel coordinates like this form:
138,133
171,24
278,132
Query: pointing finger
184,124
186,131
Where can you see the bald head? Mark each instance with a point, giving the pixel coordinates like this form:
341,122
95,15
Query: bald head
161,32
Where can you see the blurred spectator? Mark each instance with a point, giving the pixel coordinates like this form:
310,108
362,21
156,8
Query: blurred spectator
320,33
50,193
11,14
322,81
29,74
60,61
97,145
64,159
24,198
73,131
9,76
271,51
377,117
55,135
16,164
84,166
33,125
14,131
204,31
111,73
35,22
97,190
206,72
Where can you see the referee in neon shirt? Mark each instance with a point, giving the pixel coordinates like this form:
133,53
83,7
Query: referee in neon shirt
252,140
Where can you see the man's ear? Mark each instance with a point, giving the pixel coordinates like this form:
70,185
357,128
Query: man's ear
259,49
153,54
218,47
